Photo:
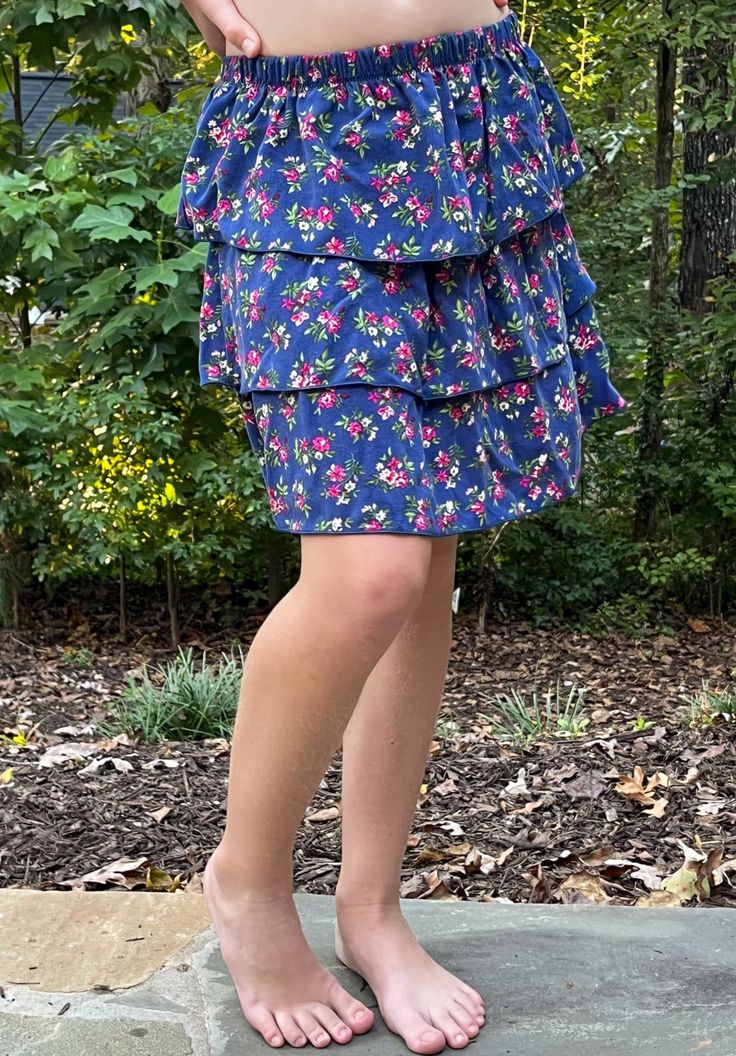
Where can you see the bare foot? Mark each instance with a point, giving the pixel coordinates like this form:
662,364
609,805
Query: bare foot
419,1000
285,992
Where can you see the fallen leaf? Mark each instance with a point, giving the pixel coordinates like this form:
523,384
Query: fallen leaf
588,786
541,891
699,626
658,809
445,788
658,899
587,884
326,814
123,872
160,814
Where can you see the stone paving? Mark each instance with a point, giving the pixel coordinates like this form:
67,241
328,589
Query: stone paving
140,974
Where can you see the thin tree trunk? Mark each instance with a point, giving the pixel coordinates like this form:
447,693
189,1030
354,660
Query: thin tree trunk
123,608
651,427
172,590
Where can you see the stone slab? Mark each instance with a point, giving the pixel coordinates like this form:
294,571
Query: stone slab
73,941
558,981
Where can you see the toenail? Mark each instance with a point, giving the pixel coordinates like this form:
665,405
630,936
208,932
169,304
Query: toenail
459,1037
320,1038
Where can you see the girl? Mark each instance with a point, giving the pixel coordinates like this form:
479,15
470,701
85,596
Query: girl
394,295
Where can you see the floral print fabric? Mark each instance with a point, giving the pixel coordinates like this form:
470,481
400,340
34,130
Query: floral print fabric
392,289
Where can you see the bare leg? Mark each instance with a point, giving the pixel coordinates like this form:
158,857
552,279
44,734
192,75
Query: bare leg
303,675
385,750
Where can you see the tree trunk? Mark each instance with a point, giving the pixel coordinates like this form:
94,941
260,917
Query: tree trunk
172,589
123,608
709,209
652,397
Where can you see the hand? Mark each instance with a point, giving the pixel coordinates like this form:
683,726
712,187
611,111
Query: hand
220,22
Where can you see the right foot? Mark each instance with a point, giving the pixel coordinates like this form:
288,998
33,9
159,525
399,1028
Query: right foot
285,992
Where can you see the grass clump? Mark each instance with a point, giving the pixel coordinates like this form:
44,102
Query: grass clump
180,701
708,705
518,717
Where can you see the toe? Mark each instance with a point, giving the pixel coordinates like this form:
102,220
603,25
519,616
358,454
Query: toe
420,1036
335,1027
454,1033
290,1029
466,1019
312,1028
354,1013
262,1021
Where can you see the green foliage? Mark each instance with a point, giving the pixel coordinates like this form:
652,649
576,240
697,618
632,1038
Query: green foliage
111,453
708,705
179,702
522,717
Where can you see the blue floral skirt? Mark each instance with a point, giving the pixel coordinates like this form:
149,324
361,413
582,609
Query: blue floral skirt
392,290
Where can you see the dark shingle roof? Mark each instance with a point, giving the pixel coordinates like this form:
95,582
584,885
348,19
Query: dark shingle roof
42,96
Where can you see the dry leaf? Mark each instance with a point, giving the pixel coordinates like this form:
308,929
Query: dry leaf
658,899
657,811
699,626
326,814
588,786
587,884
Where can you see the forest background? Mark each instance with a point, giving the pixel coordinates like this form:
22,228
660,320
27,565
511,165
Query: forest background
117,468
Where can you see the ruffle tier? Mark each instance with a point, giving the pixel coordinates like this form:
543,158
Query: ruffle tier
281,321
404,153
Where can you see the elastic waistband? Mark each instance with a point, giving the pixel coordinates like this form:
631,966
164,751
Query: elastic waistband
379,60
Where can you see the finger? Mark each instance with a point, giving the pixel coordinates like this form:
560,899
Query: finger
210,33
234,28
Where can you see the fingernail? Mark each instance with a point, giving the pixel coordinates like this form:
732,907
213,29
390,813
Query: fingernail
249,46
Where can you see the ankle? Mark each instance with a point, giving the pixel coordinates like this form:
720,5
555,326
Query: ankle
358,902
236,878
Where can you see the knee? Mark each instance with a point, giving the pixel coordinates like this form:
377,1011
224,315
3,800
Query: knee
377,582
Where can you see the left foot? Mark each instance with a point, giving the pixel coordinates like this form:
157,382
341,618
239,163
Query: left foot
419,999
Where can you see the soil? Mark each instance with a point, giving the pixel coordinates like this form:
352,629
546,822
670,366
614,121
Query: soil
560,819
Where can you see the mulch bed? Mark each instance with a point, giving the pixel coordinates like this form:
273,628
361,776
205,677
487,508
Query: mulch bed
555,821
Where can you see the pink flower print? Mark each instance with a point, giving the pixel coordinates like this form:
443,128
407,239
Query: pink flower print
333,171
419,315
403,352
457,413
402,118
429,433
253,358
213,370
207,312
554,490
307,213
336,473
325,215
334,491
390,325
269,264
423,214
374,525
291,175
332,323
511,128
353,139
384,93
535,281
498,492
350,284
321,444
355,428
300,317
335,246
522,390
511,286
384,51
585,339
442,460
306,127
327,399
192,179
421,523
